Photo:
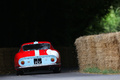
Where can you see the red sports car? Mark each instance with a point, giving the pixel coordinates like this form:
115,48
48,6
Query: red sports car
37,55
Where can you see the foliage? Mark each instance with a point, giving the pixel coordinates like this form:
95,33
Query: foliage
92,70
111,21
108,23
97,70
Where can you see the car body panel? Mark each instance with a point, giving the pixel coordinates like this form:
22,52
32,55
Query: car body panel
45,60
31,58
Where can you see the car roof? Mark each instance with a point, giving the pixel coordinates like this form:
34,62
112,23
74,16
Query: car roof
36,41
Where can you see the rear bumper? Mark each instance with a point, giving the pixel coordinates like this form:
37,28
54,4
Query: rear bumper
40,67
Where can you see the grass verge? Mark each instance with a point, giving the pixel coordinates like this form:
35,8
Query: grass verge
98,71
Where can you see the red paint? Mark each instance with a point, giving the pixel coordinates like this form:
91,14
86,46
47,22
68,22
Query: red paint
22,53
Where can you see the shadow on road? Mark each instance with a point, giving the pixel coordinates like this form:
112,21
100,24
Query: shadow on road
74,72
64,70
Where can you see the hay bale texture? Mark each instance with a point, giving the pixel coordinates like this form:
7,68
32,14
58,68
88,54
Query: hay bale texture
102,51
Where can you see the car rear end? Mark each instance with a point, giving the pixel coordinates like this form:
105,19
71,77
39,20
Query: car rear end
40,59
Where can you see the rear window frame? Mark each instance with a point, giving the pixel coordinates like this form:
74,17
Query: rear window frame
35,49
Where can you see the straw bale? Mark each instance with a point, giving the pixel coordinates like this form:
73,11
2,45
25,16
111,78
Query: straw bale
112,62
102,51
106,45
86,48
91,51
118,39
82,52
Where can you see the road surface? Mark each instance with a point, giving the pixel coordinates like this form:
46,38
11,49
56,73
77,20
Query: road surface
64,75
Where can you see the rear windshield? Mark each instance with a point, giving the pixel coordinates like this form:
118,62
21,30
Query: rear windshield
36,46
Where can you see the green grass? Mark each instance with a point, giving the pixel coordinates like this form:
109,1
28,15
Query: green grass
97,70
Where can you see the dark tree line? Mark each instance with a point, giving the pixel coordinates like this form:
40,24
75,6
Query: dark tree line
57,21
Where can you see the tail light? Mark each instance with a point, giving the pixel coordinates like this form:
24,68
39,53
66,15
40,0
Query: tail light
22,62
52,59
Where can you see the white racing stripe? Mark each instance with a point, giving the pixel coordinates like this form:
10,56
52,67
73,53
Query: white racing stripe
36,51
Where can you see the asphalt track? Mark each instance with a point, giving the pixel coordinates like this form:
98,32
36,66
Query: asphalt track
64,75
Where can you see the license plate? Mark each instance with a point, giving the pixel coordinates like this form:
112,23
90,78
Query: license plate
38,61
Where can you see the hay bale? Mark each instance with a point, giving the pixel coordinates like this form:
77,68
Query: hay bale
86,51
118,39
82,52
106,45
7,60
102,51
